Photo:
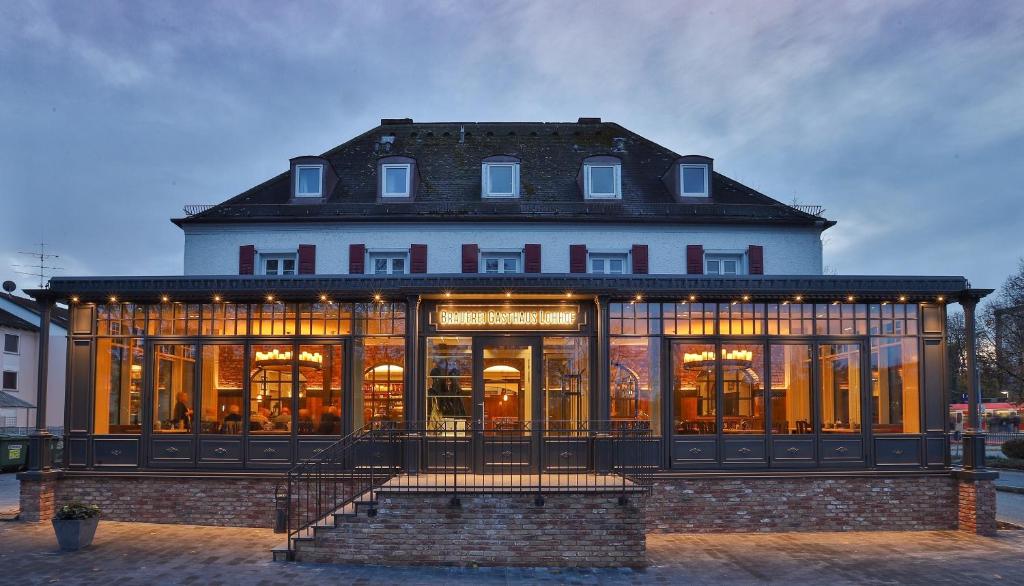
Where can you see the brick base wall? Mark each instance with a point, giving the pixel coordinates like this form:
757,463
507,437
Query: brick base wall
223,501
753,504
977,506
487,529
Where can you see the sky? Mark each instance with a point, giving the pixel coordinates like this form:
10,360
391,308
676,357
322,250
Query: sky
904,119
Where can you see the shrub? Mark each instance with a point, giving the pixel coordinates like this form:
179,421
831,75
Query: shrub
77,512
1014,448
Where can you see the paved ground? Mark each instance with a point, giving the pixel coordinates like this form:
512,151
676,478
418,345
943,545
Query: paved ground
137,553
1011,478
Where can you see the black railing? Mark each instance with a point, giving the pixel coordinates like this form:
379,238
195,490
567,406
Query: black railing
448,457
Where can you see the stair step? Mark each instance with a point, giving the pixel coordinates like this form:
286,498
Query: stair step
280,553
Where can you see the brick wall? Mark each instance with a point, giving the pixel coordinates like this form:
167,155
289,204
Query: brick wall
487,529
752,504
224,501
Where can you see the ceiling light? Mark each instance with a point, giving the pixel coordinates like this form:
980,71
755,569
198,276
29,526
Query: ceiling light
74,299
270,298
164,298
799,298
113,299
216,298
746,297
903,298
693,297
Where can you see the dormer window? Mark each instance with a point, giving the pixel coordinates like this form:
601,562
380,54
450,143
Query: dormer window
395,180
309,181
693,180
500,180
602,181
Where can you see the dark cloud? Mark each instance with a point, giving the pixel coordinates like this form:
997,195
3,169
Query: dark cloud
902,118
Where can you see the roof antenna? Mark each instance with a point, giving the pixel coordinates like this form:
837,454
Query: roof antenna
40,268
462,134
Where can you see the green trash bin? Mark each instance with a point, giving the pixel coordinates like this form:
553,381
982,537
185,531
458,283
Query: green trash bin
13,452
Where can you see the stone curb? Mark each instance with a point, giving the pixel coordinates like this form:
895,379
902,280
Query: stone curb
1013,489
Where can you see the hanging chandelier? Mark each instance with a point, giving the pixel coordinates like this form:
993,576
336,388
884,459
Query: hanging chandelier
275,359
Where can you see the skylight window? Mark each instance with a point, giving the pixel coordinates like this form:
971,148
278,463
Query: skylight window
309,181
603,181
693,180
395,180
501,180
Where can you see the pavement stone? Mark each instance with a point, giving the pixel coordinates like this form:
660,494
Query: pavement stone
140,553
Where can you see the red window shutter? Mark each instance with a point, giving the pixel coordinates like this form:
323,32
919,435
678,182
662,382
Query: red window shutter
470,256
356,259
307,259
577,258
755,259
418,258
532,262
695,259
246,259
640,259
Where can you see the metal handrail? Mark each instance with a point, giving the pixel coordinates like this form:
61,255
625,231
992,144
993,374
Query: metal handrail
447,457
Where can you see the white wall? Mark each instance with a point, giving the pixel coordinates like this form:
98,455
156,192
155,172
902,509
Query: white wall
213,249
28,367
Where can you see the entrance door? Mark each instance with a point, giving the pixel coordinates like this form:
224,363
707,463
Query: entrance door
506,405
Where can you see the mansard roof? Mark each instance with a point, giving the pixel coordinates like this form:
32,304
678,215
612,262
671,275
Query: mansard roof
448,158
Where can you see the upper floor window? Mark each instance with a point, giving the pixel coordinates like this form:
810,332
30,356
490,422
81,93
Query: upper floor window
500,180
395,180
12,343
602,181
723,264
609,263
278,264
10,382
693,180
388,263
500,262
309,181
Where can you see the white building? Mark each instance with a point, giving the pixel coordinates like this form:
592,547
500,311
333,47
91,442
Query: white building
19,327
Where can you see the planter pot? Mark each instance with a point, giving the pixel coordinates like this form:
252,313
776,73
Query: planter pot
74,534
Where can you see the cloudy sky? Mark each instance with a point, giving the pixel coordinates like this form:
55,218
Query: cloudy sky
904,119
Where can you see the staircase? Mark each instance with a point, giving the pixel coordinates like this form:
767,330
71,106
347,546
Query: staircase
357,502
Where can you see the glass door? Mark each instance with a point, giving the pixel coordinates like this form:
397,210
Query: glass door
506,409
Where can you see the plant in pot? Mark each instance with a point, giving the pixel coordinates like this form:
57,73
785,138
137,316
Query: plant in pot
75,525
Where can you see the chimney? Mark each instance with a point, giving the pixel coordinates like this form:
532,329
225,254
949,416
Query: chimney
395,121
584,120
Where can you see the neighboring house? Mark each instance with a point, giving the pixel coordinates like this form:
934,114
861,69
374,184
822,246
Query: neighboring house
19,324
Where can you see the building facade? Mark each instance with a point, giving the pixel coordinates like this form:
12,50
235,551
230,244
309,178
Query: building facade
19,325
504,288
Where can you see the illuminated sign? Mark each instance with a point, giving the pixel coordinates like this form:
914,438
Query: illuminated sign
507,317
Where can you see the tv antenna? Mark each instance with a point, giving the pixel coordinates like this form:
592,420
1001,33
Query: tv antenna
41,266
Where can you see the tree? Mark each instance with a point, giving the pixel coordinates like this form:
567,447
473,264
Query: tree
1003,337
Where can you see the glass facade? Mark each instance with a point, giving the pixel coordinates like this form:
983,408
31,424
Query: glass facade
692,372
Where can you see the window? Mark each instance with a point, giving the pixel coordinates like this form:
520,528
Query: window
395,180
388,263
501,180
723,264
221,384
608,264
12,343
10,380
840,387
791,388
602,181
278,264
309,181
634,381
500,263
693,180
119,381
174,387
